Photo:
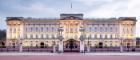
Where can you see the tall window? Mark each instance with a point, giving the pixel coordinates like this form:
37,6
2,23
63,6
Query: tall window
52,29
31,29
111,36
26,36
31,36
36,28
95,36
42,36
105,36
36,36
100,36
106,29
46,36
41,28
95,29
14,30
90,29
46,28
111,30
100,29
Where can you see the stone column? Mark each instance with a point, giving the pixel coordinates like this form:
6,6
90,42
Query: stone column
88,48
81,46
20,46
121,46
60,37
61,46
88,45
54,47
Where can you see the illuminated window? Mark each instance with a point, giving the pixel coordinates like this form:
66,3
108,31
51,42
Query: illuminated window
36,36
100,36
95,36
105,36
42,36
46,36
111,36
31,36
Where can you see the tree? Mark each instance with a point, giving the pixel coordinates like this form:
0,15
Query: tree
2,34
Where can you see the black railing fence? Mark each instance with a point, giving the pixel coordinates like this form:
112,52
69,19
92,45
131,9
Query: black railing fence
28,49
51,49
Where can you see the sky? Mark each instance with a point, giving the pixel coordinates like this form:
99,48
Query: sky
53,8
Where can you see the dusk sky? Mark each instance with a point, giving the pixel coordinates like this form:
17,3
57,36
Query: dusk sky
53,8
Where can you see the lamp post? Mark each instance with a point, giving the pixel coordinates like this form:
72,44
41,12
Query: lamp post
88,46
54,46
20,44
82,40
60,37
121,46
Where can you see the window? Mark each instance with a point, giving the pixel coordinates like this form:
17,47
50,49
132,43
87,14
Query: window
105,29
31,36
26,36
14,30
42,36
95,29
52,29
111,36
46,28
26,29
100,29
31,29
53,37
36,29
111,30
46,36
100,36
36,36
90,29
41,28
105,36
95,36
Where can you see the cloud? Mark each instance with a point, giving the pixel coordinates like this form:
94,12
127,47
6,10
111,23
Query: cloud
52,8
109,9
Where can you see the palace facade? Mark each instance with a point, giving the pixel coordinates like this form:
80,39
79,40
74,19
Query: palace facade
71,30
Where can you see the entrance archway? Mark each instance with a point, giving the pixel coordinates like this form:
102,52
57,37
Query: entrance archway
71,45
100,44
42,45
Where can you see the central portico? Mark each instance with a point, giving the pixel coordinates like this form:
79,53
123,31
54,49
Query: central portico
71,25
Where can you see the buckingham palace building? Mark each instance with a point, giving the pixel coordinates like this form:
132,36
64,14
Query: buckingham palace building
71,31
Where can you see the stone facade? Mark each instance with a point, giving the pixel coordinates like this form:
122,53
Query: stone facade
73,30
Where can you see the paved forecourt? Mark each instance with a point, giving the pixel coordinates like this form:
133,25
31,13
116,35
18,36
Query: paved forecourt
69,56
